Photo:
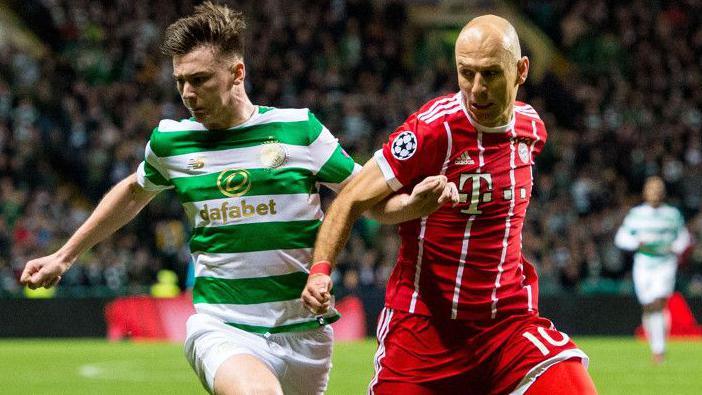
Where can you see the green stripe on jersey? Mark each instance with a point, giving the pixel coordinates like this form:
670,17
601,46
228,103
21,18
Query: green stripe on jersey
154,176
186,142
338,167
264,182
249,290
300,326
263,236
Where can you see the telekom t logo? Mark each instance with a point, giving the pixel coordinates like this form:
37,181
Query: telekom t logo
475,196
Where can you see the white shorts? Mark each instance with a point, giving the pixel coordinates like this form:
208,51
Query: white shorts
300,360
654,278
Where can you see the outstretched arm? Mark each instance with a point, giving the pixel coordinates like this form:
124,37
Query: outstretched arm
119,206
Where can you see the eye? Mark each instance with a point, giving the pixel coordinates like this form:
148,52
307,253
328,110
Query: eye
199,80
489,73
468,74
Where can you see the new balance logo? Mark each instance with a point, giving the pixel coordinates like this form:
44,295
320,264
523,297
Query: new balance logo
464,159
196,163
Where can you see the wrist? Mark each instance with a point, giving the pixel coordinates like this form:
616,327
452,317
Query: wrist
66,258
321,267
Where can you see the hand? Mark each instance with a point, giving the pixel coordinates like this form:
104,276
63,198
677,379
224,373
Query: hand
316,296
430,194
44,272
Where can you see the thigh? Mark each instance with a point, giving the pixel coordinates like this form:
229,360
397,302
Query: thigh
418,355
663,282
564,378
210,343
245,374
531,348
307,356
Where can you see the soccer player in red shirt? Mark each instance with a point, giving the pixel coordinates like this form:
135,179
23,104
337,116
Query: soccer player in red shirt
461,311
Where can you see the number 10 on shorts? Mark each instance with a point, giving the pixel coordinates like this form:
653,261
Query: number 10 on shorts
545,336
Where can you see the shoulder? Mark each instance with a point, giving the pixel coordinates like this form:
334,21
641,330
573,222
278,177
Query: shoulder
528,121
526,110
439,108
672,211
274,114
427,122
184,125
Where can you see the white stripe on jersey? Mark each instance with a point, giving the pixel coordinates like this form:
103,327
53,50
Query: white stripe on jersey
385,168
444,113
238,265
423,224
296,156
508,224
461,265
527,110
433,107
418,266
533,143
381,334
273,115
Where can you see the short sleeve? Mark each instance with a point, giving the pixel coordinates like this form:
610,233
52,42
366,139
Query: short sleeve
332,165
151,175
413,151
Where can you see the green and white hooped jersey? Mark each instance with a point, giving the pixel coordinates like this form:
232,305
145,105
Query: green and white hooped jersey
655,233
251,195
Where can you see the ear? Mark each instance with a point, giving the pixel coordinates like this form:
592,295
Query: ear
238,71
522,70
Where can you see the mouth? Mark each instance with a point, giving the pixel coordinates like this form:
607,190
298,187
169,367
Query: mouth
480,107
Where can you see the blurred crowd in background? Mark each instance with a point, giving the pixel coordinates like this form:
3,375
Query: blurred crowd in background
75,118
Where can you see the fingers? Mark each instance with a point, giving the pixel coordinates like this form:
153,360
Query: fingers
449,194
431,184
52,283
27,273
314,305
316,296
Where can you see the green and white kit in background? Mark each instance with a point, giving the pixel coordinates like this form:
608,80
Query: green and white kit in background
251,193
657,235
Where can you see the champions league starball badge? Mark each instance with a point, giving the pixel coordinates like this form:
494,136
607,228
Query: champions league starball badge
273,155
404,145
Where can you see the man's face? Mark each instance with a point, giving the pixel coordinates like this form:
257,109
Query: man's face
204,82
488,76
654,191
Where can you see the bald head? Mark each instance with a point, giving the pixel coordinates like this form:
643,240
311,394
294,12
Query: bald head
490,69
492,30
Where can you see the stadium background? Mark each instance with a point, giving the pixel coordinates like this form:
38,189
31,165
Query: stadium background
82,84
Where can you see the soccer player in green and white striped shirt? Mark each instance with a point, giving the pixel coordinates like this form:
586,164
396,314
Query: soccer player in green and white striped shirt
248,178
657,234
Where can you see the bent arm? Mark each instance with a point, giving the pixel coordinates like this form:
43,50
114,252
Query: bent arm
366,190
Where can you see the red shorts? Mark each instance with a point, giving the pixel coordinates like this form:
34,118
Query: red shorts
449,357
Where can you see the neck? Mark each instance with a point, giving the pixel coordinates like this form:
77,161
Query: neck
239,110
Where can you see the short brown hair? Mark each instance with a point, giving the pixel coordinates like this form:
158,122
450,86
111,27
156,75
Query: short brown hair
211,24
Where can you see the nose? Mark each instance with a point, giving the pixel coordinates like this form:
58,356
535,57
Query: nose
478,86
188,91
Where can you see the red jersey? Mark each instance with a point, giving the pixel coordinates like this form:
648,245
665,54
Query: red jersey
464,262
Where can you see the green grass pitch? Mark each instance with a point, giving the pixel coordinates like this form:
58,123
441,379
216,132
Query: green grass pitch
618,366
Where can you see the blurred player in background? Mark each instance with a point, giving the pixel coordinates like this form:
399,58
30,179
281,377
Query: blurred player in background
461,311
657,234
247,176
